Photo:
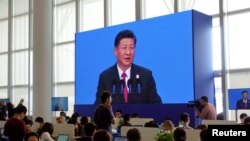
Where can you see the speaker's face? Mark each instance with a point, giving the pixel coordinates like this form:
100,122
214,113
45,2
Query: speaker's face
125,52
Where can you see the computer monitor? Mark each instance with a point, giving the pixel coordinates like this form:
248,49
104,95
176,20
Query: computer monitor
62,137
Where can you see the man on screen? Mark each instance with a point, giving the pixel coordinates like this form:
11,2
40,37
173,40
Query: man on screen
243,103
129,83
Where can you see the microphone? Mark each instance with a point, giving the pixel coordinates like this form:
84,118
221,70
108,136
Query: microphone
130,82
138,83
121,84
114,85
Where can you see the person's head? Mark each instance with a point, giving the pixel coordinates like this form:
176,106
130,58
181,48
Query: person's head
20,111
247,120
179,134
118,113
204,100
102,135
133,134
242,117
151,123
47,127
201,127
62,114
125,42
185,117
168,125
244,94
89,129
84,120
60,120
31,136
29,124
204,135
126,118
106,97
39,120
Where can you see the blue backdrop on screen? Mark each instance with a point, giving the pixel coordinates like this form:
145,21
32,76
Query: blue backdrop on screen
163,47
234,95
59,103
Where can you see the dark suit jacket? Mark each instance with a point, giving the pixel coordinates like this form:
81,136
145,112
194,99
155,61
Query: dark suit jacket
241,105
143,91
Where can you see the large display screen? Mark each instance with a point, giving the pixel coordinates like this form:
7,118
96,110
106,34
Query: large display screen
164,45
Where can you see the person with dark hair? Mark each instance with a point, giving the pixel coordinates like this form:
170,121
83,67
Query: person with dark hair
128,82
39,122
84,120
134,134
46,132
15,128
204,135
242,118
29,124
184,121
179,134
247,120
152,124
102,135
201,127
89,130
103,115
243,103
125,122
31,136
208,111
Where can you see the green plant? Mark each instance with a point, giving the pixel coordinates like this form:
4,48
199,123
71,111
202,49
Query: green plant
164,136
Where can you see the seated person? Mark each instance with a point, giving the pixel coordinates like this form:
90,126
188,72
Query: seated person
31,136
89,130
179,134
242,118
133,134
184,121
102,135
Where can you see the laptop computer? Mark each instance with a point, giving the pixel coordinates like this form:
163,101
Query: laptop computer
62,137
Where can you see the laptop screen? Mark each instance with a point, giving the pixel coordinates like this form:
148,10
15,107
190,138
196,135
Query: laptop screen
62,138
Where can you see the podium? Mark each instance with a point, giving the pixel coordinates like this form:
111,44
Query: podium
238,112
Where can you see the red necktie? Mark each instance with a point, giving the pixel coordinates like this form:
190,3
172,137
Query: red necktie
125,90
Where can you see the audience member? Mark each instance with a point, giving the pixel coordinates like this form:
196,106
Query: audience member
204,135
46,132
89,130
15,128
242,118
31,136
84,120
151,123
60,120
39,122
247,120
133,134
102,135
168,126
201,127
29,124
126,119
184,121
179,134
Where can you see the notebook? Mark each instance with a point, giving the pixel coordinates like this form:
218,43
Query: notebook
62,137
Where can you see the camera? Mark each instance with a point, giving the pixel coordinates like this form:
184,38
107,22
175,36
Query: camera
195,103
